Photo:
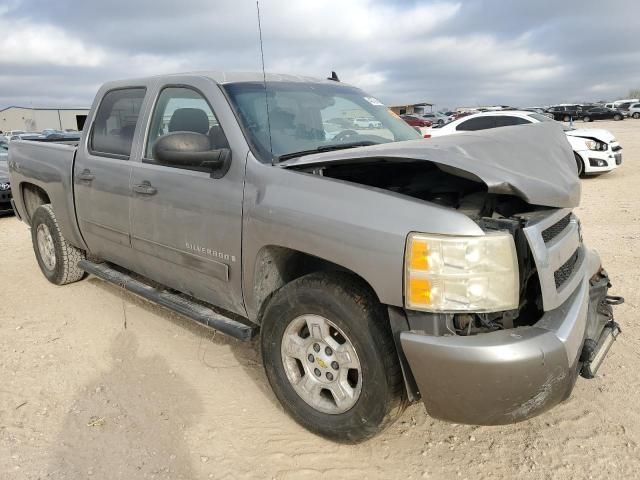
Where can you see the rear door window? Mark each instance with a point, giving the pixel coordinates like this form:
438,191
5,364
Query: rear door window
115,123
477,123
507,121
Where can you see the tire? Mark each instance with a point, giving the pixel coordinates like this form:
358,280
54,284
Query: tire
358,318
580,164
636,115
617,117
57,258
566,118
586,118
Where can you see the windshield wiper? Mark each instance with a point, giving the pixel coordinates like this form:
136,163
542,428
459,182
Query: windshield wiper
326,148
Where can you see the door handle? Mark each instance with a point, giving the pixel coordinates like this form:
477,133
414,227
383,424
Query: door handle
145,188
86,175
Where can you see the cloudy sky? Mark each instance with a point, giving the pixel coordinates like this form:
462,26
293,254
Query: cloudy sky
452,53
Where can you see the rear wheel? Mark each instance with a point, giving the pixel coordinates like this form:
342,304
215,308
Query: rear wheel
566,118
636,115
580,164
57,258
330,357
617,117
586,118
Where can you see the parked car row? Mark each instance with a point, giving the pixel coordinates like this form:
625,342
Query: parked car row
48,134
586,113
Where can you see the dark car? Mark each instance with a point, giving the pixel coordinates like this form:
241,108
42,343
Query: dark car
565,113
601,113
416,121
5,186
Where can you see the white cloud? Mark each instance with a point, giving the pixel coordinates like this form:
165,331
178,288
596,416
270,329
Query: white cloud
23,43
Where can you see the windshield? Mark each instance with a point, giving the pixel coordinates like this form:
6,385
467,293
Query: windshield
305,117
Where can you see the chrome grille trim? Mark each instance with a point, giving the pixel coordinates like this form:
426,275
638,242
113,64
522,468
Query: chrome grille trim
550,256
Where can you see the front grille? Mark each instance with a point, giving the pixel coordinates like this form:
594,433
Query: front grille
562,274
554,230
5,196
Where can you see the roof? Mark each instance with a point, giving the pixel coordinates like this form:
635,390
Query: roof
233,77
43,108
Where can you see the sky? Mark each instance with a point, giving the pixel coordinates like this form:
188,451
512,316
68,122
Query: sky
451,53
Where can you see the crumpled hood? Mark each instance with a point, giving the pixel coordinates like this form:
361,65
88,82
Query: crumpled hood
534,162
597,133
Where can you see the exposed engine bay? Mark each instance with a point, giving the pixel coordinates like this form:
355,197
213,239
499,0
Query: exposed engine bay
460,190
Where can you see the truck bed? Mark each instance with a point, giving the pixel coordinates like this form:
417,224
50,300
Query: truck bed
48,166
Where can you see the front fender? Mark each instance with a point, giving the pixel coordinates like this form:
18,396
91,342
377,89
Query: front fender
359,228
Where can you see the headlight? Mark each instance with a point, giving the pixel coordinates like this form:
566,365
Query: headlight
596,145
461,274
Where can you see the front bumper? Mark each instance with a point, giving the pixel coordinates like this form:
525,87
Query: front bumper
511,375
5,201
600,162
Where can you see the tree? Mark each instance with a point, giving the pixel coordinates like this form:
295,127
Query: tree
634,93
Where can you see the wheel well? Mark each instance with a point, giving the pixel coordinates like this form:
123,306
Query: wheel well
33,196
277,266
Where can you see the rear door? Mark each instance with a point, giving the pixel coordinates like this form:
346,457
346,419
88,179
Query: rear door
102,173
186,223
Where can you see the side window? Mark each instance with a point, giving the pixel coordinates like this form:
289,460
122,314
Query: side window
181,109
477,123
506,121
115,122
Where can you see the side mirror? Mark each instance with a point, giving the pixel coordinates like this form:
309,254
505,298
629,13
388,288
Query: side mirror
191,150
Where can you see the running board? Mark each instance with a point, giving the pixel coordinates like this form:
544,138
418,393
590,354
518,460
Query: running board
193,310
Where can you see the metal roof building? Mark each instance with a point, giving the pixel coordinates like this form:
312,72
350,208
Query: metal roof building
32,119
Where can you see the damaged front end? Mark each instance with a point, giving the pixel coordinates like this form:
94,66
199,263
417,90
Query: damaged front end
489,366
509,366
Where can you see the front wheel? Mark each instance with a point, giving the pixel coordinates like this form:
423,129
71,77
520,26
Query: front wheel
586,118
636,115
57,258
566,118
580,164
330,358
617,117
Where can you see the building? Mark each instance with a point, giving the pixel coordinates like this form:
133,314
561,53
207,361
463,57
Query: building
37,119
414,108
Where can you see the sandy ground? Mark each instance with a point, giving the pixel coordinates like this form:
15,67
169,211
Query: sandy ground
96,383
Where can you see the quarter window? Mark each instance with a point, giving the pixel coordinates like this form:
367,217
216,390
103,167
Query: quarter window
181,109
115,123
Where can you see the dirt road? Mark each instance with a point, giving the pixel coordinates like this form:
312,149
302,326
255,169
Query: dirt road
96,383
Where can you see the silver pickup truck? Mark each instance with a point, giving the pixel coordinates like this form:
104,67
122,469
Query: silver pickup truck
379,268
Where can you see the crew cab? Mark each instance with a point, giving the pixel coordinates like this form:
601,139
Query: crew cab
377,268
595,150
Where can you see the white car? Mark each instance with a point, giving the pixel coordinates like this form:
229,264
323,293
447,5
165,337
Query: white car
596,150
634,110
363,122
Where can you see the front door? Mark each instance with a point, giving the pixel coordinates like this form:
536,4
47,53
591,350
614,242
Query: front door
187,224
102,173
